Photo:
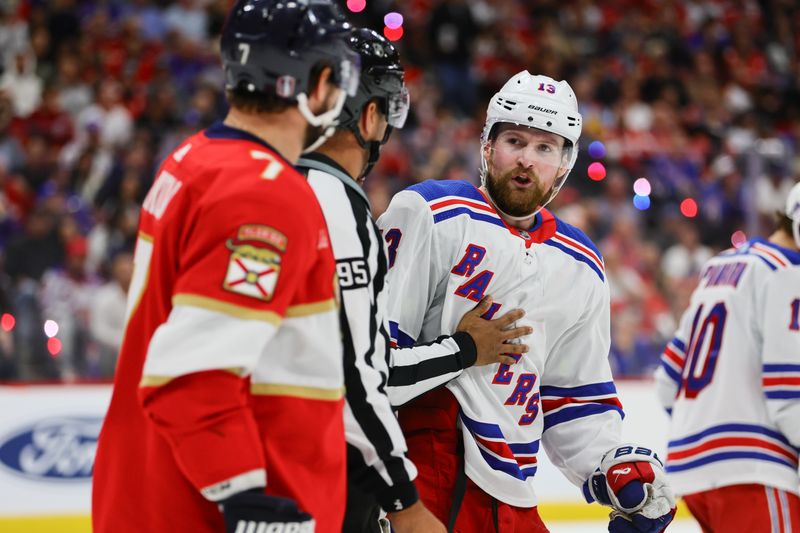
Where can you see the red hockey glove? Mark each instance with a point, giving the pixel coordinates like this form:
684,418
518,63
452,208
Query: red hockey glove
631,479
255,511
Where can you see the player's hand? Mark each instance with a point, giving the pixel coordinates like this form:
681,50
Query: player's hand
253,510
415,519
631,479
492,337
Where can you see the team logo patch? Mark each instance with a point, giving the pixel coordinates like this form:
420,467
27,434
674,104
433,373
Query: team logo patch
252,271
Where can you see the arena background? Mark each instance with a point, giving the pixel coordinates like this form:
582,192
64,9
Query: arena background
690,143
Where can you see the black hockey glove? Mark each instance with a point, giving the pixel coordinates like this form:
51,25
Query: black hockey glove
255,511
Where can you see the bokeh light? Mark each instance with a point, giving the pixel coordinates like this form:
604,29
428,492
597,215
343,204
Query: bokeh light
54,347
641,202
642,187
738,238
597,171
689,208
393,20
356,6
393,34
7,321
597,150
50,328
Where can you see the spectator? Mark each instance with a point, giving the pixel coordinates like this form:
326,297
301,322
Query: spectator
107,316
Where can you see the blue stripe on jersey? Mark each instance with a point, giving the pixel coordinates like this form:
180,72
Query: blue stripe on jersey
489,431
782,394
577,255
575,411
512,469
403,339
574,233
435,189
525,447
776,367
444,215
723,456
671,372
595,389
792,255
723,428
766,262
679,344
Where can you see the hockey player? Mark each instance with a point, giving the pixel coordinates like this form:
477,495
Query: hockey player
730,380
476,440
227,410
377,467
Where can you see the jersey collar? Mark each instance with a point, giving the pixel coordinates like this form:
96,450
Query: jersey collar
220,130
325,164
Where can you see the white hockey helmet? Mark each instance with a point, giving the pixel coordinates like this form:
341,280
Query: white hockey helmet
793,211
538,102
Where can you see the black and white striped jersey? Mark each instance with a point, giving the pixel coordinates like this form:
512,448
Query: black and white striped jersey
377,376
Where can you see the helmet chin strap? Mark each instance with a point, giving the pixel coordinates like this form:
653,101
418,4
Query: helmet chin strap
796,231
326,120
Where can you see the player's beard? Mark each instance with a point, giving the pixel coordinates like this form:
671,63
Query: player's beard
512,200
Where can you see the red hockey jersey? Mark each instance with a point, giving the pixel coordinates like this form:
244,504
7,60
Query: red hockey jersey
230,374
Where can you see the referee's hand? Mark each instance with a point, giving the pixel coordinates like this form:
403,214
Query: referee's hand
495,339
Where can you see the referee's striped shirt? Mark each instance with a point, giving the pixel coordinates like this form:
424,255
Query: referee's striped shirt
374,372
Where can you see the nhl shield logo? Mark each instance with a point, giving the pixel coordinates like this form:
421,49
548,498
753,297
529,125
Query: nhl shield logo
252,271
284,86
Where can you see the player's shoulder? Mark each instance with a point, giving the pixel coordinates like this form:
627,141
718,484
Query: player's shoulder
769,256
442,190
448,200
577,245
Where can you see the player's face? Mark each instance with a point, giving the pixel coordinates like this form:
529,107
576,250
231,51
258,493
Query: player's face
523,164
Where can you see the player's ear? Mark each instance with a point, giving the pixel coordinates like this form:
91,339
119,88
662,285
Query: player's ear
370,122
322,93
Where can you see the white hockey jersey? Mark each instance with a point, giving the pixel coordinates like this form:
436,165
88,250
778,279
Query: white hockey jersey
731,375
447,249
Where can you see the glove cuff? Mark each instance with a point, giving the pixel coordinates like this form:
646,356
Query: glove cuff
398,497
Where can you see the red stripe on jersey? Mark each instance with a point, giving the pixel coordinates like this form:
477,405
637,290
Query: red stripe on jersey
526,461
498,448
731,441
670,354
549,405
461,201
765,250
586,251
780,381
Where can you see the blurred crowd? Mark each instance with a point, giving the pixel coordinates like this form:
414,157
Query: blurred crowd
702,98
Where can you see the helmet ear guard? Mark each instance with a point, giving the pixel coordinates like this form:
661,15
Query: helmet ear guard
539,102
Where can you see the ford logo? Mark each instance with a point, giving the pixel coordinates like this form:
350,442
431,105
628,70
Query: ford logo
53,449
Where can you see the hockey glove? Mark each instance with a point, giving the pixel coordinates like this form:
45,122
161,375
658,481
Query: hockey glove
255,511
631,479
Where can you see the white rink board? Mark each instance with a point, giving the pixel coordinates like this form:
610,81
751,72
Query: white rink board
48,434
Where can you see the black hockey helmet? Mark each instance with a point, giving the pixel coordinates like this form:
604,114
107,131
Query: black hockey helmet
273,47
381,81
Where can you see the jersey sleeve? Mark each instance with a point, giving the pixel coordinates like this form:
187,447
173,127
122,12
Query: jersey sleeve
781,351
582,414
669,372
408,229
240,264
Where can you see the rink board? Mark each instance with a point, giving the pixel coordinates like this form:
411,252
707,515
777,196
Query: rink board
48,434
